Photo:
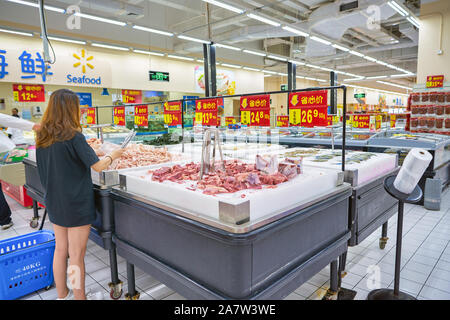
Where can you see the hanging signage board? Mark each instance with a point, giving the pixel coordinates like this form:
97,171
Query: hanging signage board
172,113
282,121
119,116
206,112
360,121
308,109
28,92
158,76
255,110
131,96
435,81
90,118
141,116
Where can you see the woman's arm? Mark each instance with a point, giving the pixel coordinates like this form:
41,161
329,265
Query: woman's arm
107,160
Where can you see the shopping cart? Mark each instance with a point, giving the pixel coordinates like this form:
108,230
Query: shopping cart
26,264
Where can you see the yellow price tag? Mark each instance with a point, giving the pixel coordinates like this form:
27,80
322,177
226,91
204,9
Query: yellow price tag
198,117
245,117
294,117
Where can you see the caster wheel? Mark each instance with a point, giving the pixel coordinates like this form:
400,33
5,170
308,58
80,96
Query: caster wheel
330,295
116,290
383,242
34,223
135,297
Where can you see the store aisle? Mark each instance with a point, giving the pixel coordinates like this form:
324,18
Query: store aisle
425,260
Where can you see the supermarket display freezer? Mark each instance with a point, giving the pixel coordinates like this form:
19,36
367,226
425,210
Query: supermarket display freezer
225,248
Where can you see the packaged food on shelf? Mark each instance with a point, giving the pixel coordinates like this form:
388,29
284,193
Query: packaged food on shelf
414,124
415,109
431,110
432,96
415,97
441,97
423,109
447,110
447,96
440,110
424,97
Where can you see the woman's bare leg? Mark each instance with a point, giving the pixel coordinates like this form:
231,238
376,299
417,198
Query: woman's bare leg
78,237
60,260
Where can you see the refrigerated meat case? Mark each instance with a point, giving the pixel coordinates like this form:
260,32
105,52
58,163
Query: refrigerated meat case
401,142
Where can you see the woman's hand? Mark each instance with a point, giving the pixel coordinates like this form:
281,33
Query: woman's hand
107,160
36,126
116,154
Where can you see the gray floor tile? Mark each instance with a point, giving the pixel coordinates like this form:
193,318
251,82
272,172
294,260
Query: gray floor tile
306,289
438,284
159,292
292,296
434,294
441,274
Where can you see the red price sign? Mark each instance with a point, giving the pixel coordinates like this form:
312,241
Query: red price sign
255,110
361,121
172,113
255,102
141,116
282,121
131,96
119,116
435,81
308,109
90,117
307,99
206,112
393,120
206,105
29,92
229,120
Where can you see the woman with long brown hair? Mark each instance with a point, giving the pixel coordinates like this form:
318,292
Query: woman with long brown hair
64,161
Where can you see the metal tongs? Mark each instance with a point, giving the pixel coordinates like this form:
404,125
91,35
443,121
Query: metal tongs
207,165
128,139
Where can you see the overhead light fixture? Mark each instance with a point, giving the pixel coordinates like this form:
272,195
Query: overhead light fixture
298,63
326,69
200,60
353,75
105,92
251,69
107,46
66,40
225,46
320,40
354,79
320,80
376,77
193,39
404,75
297,32
255,53
377,90
180,57
308,78
225,6
159,54
340,47
270,72
165,33
370,58
231,65
356,53
381,62
394,85
282,74
36,5
17,32
312,66
394,5
339,72
300,77
262,19
414,22
276,58
91,17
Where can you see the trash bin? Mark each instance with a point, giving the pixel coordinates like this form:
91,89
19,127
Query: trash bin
26,264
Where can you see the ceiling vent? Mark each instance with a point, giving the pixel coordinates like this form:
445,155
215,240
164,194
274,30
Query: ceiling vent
350,6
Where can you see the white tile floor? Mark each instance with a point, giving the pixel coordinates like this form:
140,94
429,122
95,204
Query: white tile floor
425,260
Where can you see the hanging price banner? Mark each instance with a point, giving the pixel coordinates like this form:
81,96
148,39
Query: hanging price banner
308,109
206,112
393,120
206,105
230,120
131,96
141,116
172,113
90,118
255,110
255,102
360,121
28,92
119,116
282,121
435,81
307,99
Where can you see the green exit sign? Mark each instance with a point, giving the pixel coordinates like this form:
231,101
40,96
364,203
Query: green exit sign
159,76
284,87
360,95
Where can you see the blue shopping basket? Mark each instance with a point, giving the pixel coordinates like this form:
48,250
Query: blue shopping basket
26,264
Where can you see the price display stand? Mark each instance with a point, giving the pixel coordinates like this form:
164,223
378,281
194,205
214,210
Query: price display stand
413,197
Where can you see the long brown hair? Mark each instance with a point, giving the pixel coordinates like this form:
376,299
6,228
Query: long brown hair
61,120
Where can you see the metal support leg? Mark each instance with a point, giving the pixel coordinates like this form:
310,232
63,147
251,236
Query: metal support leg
132,293
115,285
342,262
384,238
331,293
35,220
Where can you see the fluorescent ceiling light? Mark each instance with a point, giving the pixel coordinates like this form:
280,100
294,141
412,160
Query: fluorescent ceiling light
88,16
276,58
353,75
231,65
271,72
17,32
298,32
282,74
320,40
298,63
394,5
200,60
225,6
36,5
251,69
109,46
326,69
169,34
370,58
381,62
149,52
340,47
300,77
67,40
402,75
354,79
414,22
308,78
255,53
262,19
376,77
320,80
180,57
193,39
313,66
218,45
356,53
394,85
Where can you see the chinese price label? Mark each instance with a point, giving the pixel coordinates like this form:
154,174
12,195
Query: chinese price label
393,120
172,113
206,112
255,110
119,116
230,120
282,121
131,96
361,121
141,116
90,117
308,109
435,81
28,92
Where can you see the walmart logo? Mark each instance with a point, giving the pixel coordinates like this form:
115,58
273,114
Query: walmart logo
84,62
